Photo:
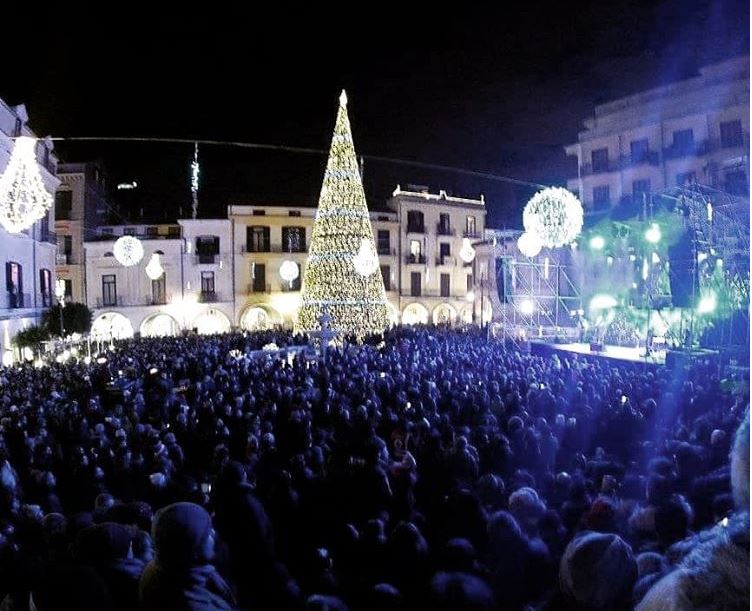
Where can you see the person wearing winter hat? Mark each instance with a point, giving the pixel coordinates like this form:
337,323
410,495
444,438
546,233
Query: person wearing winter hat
597,571
714,573
181,575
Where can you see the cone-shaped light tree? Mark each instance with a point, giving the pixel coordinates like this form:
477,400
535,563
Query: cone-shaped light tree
335,280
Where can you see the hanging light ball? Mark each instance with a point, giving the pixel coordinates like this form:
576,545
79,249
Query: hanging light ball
128,250
529,244
288,271
467,252
555,215
366,262
154,268
23,197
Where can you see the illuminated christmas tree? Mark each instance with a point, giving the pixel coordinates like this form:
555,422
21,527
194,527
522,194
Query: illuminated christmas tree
341,275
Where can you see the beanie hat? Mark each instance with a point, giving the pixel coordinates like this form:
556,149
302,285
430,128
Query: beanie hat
179,532
598,571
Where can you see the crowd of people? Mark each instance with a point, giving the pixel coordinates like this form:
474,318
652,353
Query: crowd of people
428,469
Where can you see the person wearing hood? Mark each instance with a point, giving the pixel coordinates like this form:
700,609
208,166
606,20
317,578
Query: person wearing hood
181,575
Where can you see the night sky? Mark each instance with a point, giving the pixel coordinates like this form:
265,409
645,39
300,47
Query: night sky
477,86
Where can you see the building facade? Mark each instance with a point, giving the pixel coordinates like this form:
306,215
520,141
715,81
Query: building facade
226,273
28,256
693,131
80,208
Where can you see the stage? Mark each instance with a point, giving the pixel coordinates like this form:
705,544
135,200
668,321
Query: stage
624,354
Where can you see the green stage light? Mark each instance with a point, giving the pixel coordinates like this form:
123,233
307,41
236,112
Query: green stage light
707,304
597,242
653,235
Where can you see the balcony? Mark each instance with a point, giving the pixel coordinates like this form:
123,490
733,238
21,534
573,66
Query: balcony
63,259
415,259
18,300
471,233
267,248
259,287
416,228
385,250
205,259
110,302
612,165
643,158
694,149
446,261
208,297
444,229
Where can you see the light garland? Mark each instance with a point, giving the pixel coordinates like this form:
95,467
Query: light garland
154,268
128,250
331,282
555,215
23,197
529,244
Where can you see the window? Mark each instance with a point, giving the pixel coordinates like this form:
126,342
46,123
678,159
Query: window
445,284
599,159
731,134
684,141
416,251
383,242
68,288
685,178
207,282
152,231
257,239
258,277
173,232
45,287
469,283
259,212
415,221
294,213
109,290
158,291
601,197
17,127
293,239
444,252
639,150
386,276
470,228
640,187
207,248
415,282
63,205
443,228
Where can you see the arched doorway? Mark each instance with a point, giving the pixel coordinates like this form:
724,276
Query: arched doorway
259,318
111,325
211,322
444,314
415,314
159,325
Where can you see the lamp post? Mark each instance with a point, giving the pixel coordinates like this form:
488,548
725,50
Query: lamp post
467,254
60,295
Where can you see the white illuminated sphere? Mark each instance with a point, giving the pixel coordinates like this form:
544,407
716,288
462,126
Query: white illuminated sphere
154,268
366,262
128,250
529,244
288,271
467,252
555,215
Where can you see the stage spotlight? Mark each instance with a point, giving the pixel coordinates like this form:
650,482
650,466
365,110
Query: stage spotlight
597,242
707,304
655,258
701,256
603,302
609,260
527,307
653,235
719,262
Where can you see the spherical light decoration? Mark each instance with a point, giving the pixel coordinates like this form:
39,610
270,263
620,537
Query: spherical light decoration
467,252
529,244
128,250
154,268
23,197
554,215
366,262
288,271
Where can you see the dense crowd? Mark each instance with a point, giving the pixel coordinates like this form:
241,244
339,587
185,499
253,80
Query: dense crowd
431,470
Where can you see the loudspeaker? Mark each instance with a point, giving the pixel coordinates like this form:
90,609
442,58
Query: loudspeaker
683,277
